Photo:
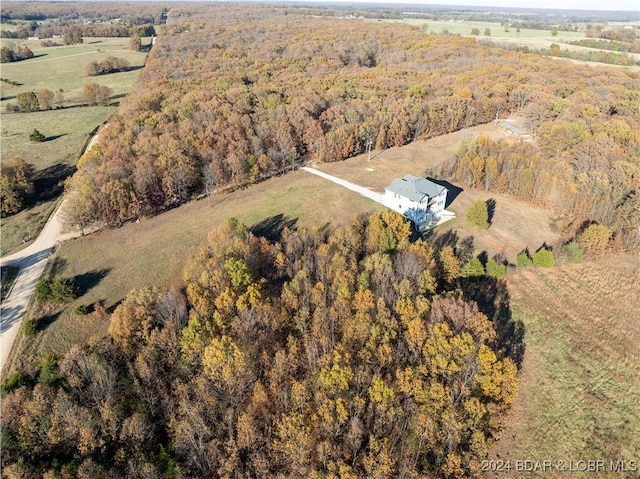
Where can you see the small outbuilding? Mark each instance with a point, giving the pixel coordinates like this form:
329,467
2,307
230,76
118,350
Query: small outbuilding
419,199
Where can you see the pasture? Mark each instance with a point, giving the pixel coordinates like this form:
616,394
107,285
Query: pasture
579,397
67,128
63,68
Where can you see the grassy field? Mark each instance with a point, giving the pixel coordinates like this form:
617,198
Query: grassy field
63,68
497,30
67,131
579,396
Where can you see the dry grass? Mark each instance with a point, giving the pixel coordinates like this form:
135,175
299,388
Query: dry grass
516,225
579,397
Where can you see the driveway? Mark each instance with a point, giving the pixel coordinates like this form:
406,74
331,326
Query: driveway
366,192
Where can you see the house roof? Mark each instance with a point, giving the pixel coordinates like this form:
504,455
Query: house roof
415,188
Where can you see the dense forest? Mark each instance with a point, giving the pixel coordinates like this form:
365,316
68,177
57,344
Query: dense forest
229,96
340,353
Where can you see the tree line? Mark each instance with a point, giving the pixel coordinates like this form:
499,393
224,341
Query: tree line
230,98
341,353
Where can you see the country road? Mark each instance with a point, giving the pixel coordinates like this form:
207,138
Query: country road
31,261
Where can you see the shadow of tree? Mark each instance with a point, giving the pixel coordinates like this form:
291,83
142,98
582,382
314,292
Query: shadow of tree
55,137
493,299
491,209
47,319
272,227
90,279
48,183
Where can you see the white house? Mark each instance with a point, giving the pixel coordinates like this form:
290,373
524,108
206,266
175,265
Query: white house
419,199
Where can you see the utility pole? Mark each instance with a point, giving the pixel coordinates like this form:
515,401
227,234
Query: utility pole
369,149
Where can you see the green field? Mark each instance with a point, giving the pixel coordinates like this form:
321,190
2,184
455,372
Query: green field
497,30
63,67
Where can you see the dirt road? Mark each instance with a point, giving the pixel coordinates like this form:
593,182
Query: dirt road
31,261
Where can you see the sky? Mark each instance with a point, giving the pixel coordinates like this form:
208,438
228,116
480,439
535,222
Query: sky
611,5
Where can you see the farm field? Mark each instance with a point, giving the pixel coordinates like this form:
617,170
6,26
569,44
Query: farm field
63,68
579,397
497,30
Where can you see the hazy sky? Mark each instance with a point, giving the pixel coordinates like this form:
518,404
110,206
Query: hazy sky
626,5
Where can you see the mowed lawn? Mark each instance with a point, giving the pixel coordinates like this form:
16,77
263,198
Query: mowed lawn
579,395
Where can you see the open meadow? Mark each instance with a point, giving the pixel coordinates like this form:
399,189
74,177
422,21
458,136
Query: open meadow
579,396
63,68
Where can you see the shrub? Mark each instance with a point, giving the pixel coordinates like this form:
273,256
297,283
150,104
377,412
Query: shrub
472,269
30,326
81,310
48,369
63,290
43,290
478,215
574,252
35,135
58,290
544,258
12,382
594,239
495,269
523,259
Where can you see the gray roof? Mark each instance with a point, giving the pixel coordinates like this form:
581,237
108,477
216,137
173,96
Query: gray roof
415,188
516,129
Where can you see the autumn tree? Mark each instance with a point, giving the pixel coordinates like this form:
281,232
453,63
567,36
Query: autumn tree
97,94
594,239
135,42
17,184
308,356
